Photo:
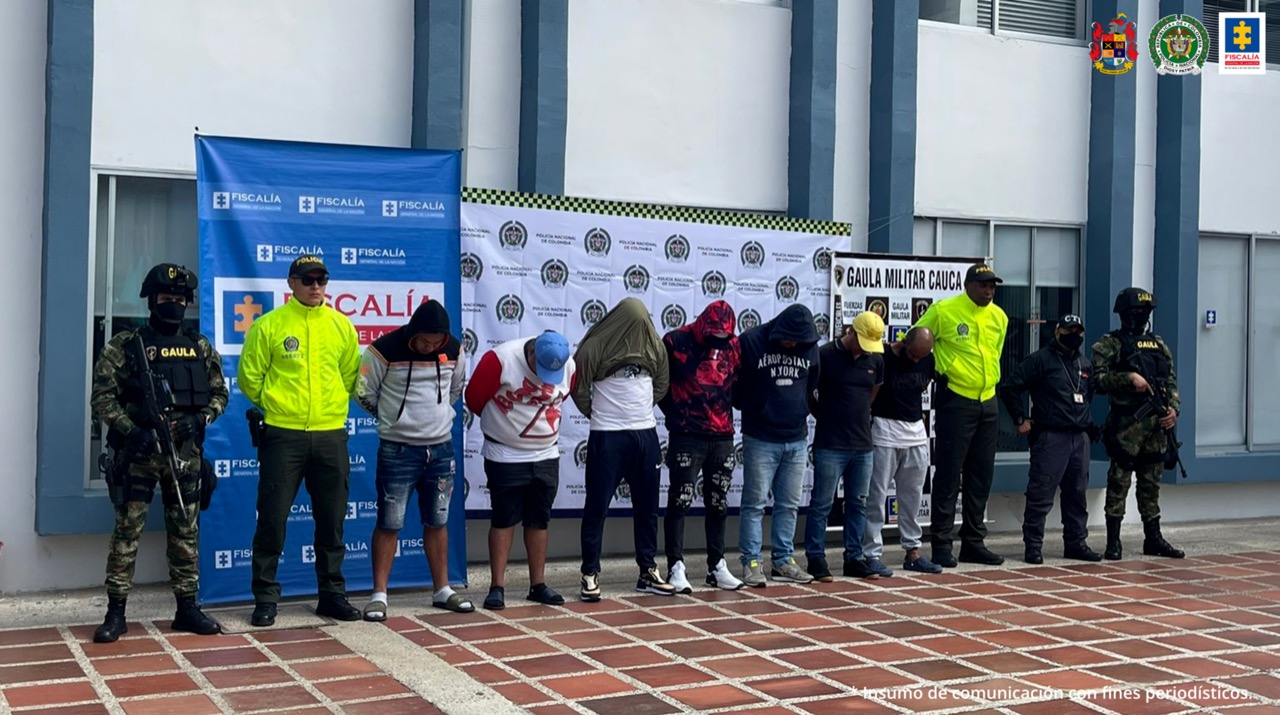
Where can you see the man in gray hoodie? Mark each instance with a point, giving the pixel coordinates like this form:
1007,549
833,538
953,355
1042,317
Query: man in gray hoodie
410,380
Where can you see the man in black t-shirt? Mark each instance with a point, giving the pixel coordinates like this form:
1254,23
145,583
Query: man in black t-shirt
901,447
852,370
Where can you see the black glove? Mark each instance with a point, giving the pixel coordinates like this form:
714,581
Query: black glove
188,428
208,483
143,442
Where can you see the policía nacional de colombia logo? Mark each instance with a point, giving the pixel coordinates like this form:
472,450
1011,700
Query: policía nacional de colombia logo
748,319
822,322
1114,48
470,341
467,418
822,260
592,312
510,309
513,236
752,255
676,248
290,344
580,454
1179,45
636,279
472,267
597,242
714,284
555,273
787,289
673,316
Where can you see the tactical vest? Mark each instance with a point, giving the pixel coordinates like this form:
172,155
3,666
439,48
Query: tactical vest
176,358
1144,355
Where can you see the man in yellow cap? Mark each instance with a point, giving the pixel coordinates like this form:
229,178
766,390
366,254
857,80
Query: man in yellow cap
852,371
969,331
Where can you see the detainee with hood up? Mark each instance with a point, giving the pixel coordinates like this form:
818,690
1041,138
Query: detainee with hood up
622,374
703,357
779,371
410,380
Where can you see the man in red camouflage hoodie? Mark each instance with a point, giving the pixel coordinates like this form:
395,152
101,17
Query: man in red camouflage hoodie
703,360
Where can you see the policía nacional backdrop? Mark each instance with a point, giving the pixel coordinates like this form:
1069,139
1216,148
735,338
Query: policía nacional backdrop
899,289
532,263
385,222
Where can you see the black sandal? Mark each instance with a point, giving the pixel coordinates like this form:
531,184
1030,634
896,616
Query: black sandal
496,600
543,594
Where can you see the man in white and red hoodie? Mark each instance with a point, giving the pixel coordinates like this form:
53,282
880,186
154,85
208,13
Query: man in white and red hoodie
410,379
516,390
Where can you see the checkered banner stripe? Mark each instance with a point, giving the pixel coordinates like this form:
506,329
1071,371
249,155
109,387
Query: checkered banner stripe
495,197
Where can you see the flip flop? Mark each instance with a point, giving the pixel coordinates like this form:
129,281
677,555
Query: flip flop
456,603
375,611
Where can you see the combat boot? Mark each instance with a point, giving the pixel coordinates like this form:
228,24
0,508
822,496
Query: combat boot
1155,545
113,626
1113,551
191,619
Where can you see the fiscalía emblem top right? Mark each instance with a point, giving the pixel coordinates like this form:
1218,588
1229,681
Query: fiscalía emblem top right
1179,45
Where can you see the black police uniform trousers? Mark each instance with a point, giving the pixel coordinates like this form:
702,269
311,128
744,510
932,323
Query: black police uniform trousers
965,455
287,459
1058,459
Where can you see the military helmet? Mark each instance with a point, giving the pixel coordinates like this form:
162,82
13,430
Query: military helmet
1134,299
169,278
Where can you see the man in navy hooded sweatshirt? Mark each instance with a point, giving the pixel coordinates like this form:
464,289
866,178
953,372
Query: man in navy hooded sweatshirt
779,370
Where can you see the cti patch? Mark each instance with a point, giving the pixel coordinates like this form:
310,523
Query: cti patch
1114,48
1242,43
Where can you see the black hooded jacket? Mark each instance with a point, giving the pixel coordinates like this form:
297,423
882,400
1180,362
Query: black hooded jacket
774,382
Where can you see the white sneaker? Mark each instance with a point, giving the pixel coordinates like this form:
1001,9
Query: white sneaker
721,577
677,578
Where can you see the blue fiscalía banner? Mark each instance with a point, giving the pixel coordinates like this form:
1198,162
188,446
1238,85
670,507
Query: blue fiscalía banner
386,222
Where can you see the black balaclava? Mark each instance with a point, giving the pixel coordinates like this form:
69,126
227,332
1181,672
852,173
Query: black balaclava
166,318
1135,320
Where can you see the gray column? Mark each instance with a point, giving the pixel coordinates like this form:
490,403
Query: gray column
437,74
811,145
544,94
892,189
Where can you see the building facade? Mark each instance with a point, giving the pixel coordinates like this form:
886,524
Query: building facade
958,127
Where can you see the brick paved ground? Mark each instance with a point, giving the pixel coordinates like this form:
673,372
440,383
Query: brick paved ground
1197,635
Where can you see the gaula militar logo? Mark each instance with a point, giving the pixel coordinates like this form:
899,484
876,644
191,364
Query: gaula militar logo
597,242
879,305
555,273
837,272
510,309
787,289
592,312
673,316
747,320
1179,45
676,248
472,267
470,341
513,236
752,255
1114,49
822,260
636,279
714,284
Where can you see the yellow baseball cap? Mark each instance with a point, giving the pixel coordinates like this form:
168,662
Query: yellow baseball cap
869,328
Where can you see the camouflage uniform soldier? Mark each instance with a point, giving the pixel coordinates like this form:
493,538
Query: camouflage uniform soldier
1131,365
199,395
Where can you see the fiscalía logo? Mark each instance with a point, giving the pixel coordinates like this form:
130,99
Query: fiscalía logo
376,254
714,284
510,309
555,273
472,267
1179,45
822,322
470,341
592,312
1114,49
513,236
748,319
752,254
1242,43
676,248
822,260
673,316
580,454
787,289
597,242
222,200
636,279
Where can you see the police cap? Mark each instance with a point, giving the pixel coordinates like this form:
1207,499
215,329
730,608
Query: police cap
1134,299
169,278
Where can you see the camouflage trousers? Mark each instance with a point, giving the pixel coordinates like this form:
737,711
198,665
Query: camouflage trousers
182,533
1118,479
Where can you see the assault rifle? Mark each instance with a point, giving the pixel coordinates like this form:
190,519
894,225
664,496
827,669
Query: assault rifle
157,403
1157,404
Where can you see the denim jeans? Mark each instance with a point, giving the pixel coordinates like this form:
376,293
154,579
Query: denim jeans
777,467
829,467
406,468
